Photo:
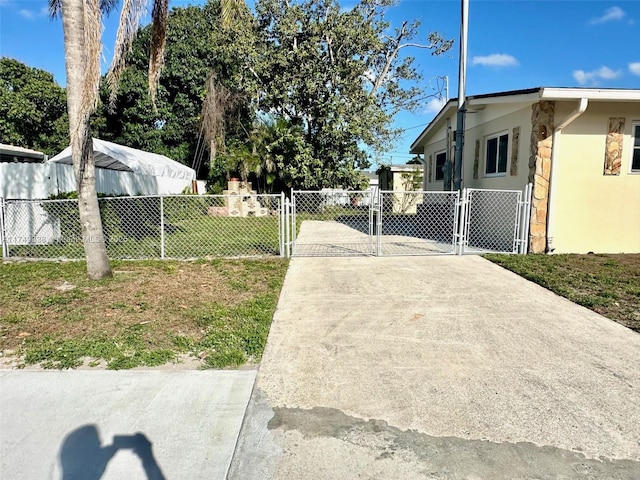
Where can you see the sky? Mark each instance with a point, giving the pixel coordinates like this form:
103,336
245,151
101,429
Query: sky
512,45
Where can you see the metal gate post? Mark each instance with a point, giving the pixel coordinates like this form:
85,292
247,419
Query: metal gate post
462,226
161,227
293,224
516,227
525,218
281,220
380,199
3,232
372,221
286,227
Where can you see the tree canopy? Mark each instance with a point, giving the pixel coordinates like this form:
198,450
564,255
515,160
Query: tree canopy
339,76
32,108
197,47
299,94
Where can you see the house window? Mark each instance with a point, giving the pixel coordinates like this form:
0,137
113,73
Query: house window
496,154
635,153
441,159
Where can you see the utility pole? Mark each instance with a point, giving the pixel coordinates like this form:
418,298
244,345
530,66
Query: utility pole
462,78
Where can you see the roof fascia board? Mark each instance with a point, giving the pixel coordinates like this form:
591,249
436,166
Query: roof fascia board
522,98
619,95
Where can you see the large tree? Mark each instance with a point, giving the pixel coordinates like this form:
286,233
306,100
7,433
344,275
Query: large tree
82,26
32,108
340,76
205,64
302,94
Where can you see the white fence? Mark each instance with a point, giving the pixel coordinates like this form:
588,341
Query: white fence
27,181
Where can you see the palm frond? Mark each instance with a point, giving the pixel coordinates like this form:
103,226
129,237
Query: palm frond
93,49
214,110
106,6
230,9
160,16
55,8
130,16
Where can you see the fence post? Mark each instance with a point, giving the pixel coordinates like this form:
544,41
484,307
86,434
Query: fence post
161,227
462,219
379,200
293,223
281,220
526,217
287,225
3,232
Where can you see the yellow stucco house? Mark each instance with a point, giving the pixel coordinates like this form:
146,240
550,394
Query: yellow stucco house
579,147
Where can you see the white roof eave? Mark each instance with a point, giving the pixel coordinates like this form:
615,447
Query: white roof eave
603,94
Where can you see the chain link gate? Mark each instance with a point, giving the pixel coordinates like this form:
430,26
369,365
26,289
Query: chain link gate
418,223
386,223
495,221
333,223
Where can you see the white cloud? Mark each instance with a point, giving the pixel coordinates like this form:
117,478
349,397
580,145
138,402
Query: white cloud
28,14
635,68
435,105
495,60
610,15
607,74
33,14
603,73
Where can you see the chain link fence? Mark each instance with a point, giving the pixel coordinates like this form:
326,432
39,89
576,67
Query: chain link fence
418,223
333,223
181,226
322,223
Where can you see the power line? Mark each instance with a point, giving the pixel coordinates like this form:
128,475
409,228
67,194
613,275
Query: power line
416,126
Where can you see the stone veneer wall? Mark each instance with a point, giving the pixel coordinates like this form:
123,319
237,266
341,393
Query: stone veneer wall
515,148
613,151
542,118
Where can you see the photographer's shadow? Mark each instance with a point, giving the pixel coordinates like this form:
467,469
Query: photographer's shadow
82,456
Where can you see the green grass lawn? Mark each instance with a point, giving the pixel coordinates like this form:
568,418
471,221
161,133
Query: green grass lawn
199,236
148,314
607,284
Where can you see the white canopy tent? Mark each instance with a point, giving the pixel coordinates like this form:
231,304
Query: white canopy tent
113,156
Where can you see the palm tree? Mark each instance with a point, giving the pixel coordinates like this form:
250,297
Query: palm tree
82,26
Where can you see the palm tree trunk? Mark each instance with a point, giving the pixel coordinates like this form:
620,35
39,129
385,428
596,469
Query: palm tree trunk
79,102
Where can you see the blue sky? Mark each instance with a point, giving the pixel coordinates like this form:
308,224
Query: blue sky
511,45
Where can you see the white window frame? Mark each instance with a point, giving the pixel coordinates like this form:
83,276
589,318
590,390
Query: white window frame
634,125
435,165
496,136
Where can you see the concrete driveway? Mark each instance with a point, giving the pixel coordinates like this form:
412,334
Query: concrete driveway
438,368
130,425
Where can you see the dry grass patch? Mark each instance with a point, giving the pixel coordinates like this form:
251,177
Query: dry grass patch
148,314
607,284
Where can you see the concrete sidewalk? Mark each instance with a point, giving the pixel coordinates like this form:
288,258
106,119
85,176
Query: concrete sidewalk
438,368
93,424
